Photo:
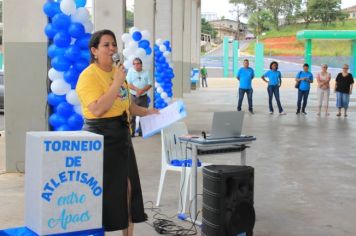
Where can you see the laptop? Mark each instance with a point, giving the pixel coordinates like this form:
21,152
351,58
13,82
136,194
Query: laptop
226,125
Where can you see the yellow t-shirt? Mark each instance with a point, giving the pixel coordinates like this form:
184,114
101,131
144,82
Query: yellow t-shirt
92,84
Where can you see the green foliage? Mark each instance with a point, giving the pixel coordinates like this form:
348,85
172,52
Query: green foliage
326,11
129,20
260,21
206,28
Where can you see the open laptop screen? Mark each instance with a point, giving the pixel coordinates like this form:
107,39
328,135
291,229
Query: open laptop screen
226,124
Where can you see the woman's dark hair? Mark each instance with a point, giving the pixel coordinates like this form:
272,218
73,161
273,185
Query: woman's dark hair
95,40
138,59
273,62
306,64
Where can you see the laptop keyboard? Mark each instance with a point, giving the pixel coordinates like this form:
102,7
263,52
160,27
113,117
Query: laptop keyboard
217,150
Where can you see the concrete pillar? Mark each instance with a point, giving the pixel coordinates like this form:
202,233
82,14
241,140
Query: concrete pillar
198,21
163,23
110,14
187,34
194,35
177,46
25,59
144,16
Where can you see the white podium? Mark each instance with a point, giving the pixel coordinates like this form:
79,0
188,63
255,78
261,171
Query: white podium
63,182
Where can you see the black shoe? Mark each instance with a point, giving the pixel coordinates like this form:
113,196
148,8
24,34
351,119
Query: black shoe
251,112
304,113
297,113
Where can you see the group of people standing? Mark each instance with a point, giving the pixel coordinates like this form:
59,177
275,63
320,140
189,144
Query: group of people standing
273,77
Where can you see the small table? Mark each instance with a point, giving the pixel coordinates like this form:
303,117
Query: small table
201,144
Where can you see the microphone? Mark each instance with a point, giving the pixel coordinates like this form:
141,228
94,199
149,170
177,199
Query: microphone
118,58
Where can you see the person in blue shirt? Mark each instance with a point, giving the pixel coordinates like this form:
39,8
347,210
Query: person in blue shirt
304,78
139,83
274,82
245,76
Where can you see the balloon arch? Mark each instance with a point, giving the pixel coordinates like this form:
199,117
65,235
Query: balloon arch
69,31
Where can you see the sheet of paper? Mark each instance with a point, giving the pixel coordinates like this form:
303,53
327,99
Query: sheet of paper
153,124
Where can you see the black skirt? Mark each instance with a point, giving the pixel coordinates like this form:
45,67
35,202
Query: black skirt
119,167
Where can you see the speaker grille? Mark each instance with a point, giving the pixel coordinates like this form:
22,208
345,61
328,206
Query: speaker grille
228,200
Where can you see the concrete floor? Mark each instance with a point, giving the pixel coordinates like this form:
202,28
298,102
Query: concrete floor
305,166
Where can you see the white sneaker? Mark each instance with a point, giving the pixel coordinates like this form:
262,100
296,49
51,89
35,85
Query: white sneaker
271,112
282,113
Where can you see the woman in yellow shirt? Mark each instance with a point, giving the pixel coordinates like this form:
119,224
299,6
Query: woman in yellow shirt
106,106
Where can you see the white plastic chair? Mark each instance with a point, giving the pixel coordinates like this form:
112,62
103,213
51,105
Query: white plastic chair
173,149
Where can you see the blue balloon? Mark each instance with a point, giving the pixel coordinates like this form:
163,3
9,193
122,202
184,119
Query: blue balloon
62,39
162,60
75,121
63,127
83,42
144,44
148,51
76,30
167,43
54,51
159,79
51,8
60,63
169,94
137,36
64,109
50,31
72,53
159,68
81,64
71,76
156,48
80,3
54,99
61,21
55,120
85,54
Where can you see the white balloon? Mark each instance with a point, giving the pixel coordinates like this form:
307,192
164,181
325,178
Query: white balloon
162,48
167,100
126,37
88,25
68,7
140,52
54,74
78,109
159,42
126,52
167,54
81,15
157,85
133,46
60,87
133,29
164,95
159,90
72,97
127,64
145,34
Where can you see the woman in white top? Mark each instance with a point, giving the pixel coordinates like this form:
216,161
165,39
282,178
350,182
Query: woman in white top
323,91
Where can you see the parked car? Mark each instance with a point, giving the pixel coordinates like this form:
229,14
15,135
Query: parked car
2,92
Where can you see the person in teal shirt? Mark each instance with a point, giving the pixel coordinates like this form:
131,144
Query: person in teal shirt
139,83
274,82
305,78
245,76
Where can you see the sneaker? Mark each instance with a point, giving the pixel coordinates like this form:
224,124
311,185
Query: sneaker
251,112
304,113
338,114
297,113
282,113
271,112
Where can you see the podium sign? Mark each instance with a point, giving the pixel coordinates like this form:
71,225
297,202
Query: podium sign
63,182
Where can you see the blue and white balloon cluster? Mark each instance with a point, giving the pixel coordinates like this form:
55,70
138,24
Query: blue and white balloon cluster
137,44
69,31
163,74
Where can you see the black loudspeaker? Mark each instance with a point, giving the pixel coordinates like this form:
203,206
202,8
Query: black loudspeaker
228,200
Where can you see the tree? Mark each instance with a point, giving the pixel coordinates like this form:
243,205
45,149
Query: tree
129,19
326,11
306,14
292,10
260,21
206,28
